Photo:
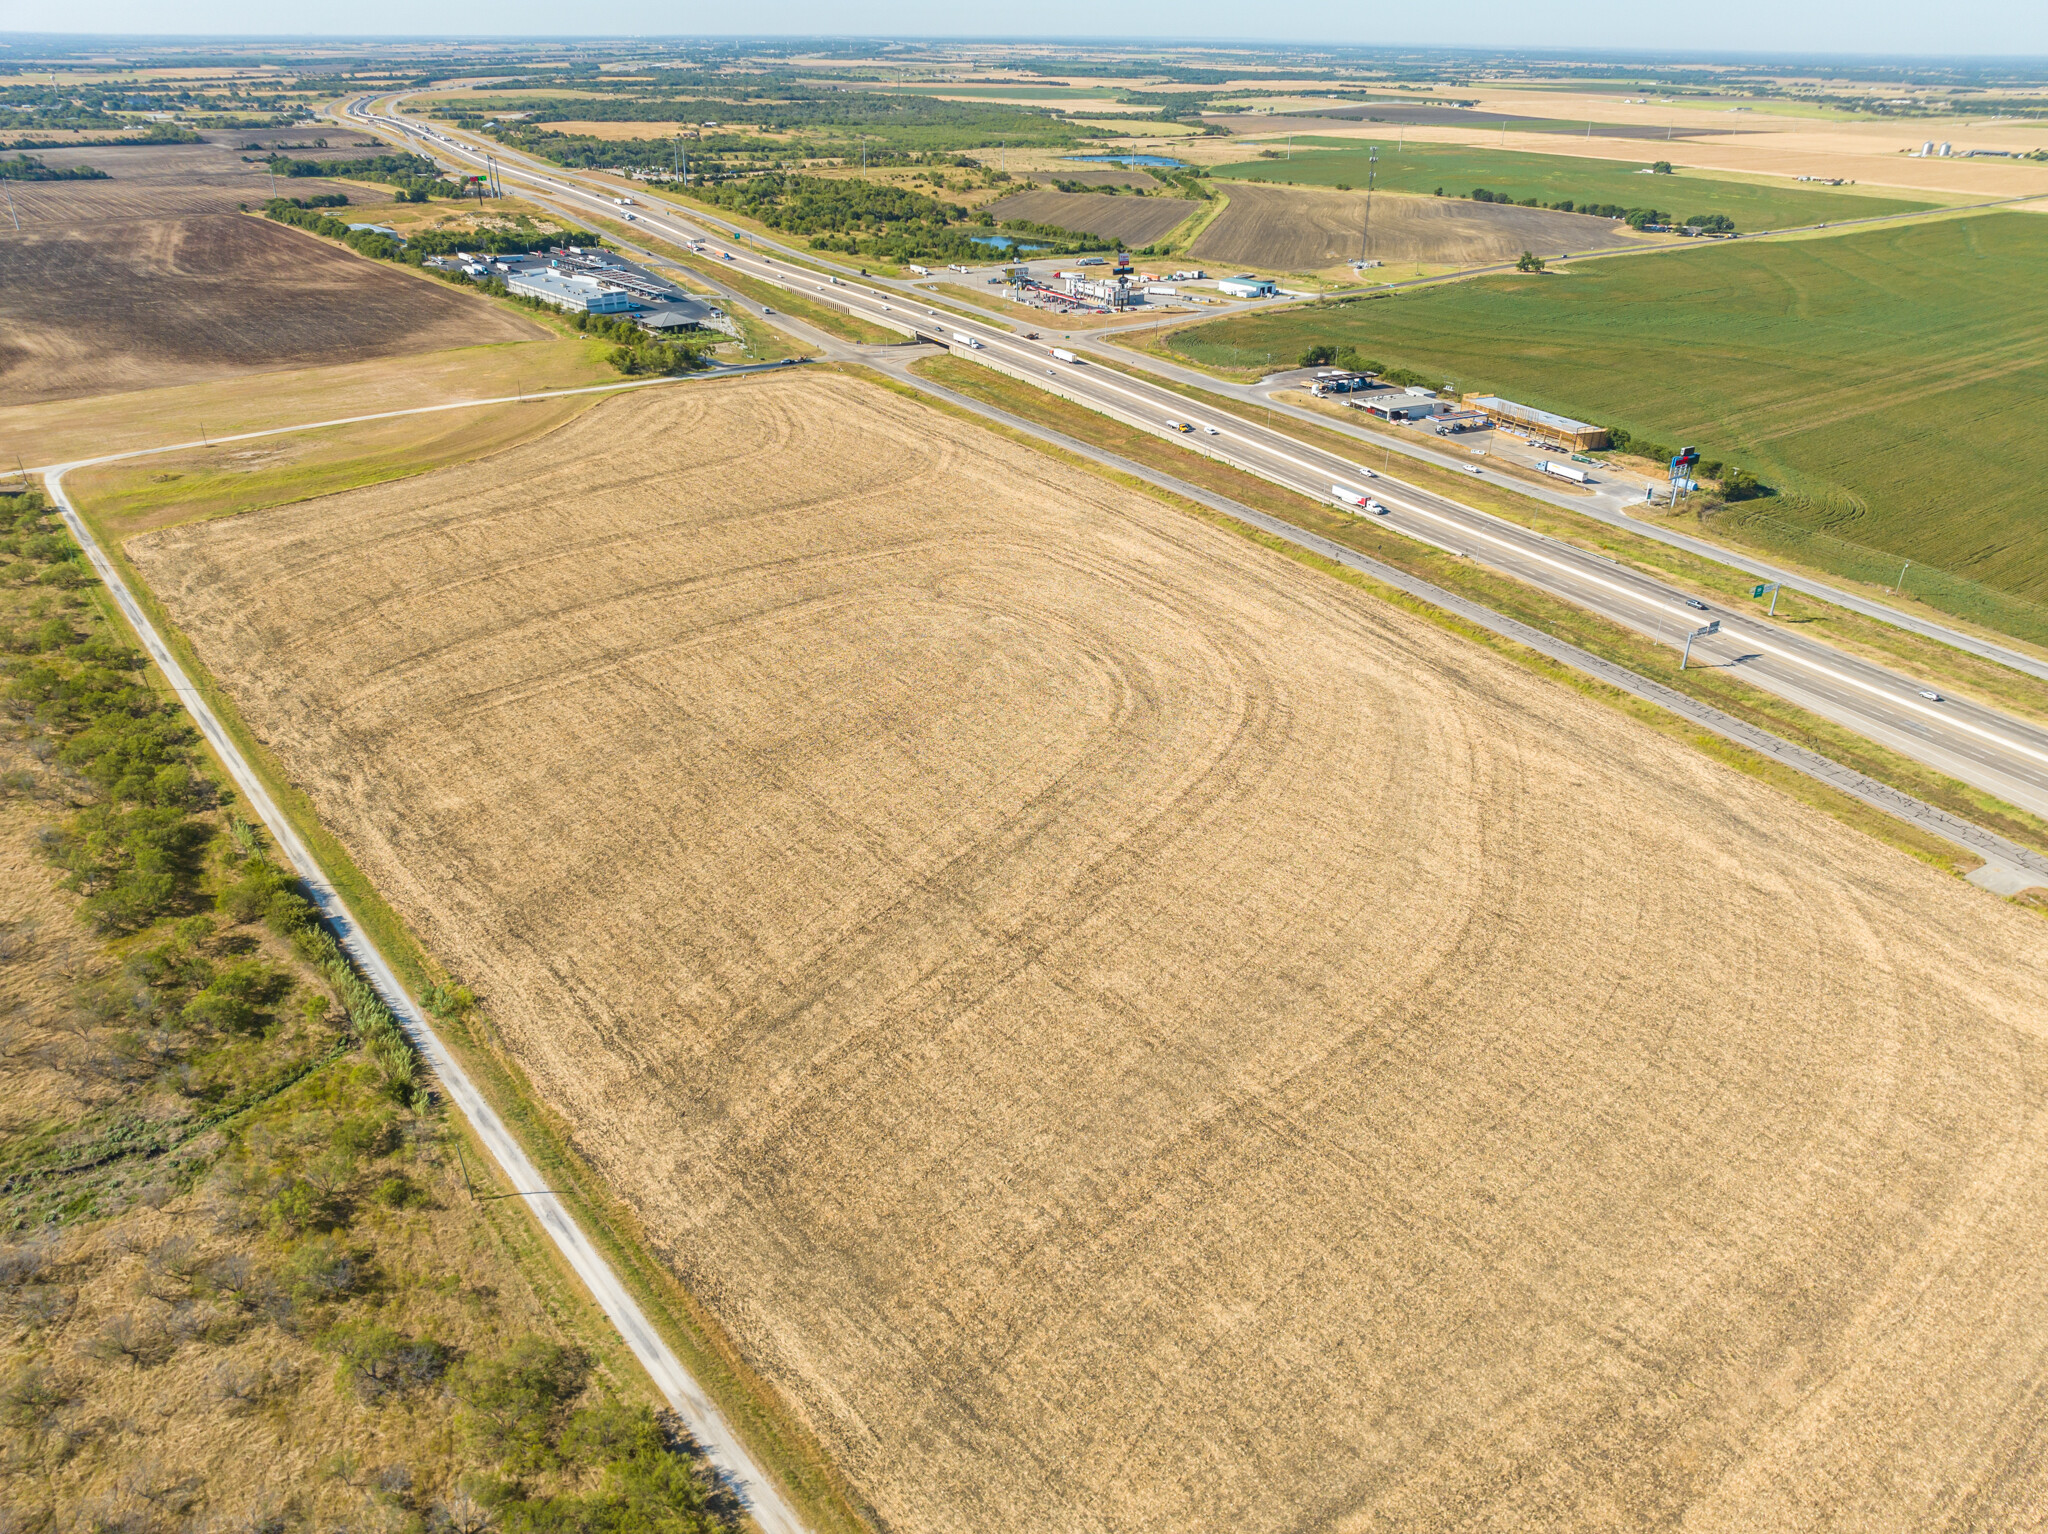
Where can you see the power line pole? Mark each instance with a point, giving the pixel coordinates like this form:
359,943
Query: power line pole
1372,162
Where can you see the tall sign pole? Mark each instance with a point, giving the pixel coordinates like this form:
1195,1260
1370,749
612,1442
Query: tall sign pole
1757,592
1698,633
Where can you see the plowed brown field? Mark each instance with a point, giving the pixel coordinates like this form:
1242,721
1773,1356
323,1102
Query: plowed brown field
1133,1035
1134,220
1285,228
151,278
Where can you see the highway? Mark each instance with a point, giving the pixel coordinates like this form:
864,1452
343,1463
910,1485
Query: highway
1973,743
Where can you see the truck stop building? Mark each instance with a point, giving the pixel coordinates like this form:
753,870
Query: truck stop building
1579,436
1248,287
584,294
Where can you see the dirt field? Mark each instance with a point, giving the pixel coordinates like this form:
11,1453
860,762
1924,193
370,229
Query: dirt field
139,303
152,278
1284,228
1134,220
1132,1035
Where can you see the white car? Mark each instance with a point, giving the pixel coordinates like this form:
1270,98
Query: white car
1931,695
1368,473
1212,431
1471,468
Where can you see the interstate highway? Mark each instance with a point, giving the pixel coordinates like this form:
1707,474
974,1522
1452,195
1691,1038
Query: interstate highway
1980,746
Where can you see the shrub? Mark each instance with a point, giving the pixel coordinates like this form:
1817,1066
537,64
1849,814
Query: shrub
513,1405
1320,355
378,1361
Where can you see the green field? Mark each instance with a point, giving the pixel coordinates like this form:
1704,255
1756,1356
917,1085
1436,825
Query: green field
1552,178
1891,383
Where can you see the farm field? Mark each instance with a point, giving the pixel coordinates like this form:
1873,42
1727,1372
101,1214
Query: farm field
1422,168
227,294
152,278
1134,220
1284,228
57,430
1064,986
1889,382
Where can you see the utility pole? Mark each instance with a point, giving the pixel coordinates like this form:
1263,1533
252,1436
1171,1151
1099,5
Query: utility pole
1372,162
1901,587
10,210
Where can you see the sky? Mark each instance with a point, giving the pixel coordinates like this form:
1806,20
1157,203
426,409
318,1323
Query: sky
1894,27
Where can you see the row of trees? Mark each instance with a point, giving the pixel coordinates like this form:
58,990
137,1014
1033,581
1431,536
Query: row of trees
27,167
1635,218
870,218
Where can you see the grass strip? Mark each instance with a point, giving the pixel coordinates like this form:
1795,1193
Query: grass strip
1885,643
751,1404
1553,616
832,321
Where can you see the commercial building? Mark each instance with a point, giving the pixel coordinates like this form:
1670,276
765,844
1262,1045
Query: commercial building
1248,287
1400,407
1580,436
577,294
680,315
1112,294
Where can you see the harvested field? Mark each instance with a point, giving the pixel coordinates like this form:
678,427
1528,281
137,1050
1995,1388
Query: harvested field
1284,228
1133,1035
226,295
1134,220
1114,175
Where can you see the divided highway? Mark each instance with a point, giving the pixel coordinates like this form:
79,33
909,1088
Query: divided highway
1978,745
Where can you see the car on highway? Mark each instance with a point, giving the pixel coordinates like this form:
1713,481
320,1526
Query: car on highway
1212,431
1932,696
1471,468
766,310
1695,602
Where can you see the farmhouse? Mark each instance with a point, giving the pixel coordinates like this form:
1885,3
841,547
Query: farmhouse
585,294
1578,435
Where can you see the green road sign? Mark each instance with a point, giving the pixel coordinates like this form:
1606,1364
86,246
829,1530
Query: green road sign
1757,591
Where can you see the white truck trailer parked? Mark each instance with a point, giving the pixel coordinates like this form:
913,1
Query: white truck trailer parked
1565,471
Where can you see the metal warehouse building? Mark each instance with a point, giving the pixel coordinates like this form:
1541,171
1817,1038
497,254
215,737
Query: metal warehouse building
1248,287
1577,435
576,293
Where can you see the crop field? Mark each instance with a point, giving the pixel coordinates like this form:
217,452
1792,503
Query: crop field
1127,1033
152,278
1134,220
1889,382
1458,169
1284,228
207,297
